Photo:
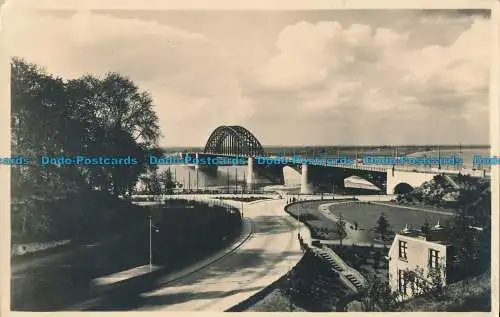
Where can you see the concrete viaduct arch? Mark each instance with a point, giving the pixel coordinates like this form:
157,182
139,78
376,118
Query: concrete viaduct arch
397,179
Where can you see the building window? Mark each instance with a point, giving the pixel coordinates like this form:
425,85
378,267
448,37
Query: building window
402,282
433,259
403,246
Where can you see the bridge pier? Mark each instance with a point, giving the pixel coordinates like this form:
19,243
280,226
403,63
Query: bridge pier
250,175
410,178
197,160
305,186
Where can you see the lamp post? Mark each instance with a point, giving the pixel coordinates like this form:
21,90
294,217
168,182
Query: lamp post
242,202
151,227
439,157
298,218
460,156
150,244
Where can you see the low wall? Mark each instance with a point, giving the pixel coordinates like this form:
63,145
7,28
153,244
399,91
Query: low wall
21,249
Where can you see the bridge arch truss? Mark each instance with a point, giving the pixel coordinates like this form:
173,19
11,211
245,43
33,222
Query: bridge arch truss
233,140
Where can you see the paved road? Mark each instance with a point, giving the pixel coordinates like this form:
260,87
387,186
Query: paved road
270,251
268,254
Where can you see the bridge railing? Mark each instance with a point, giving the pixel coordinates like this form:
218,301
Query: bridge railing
447,169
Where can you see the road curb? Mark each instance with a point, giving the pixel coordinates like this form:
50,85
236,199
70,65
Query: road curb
247,232
244,237
259,295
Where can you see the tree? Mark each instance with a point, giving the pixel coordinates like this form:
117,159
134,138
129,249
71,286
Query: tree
383,228
167,181
377,256
290,289
116,120
155,184
39,126
430,284
340,229
436,280
377,295
86,116
426,227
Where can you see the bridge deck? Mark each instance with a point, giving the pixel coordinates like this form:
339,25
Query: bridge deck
323,161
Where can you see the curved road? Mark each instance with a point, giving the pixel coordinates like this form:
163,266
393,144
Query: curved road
271,250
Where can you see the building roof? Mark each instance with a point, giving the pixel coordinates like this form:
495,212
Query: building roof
438,234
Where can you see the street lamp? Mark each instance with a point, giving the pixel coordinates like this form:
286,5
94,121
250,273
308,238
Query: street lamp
242,202
298,218
156,229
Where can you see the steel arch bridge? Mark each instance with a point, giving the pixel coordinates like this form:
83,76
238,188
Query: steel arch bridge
233,140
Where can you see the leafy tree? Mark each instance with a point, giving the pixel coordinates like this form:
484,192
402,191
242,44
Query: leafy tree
167,181
340,230
463,240
426,227
383,228
87,116
377,295
118,120
436,280
377,256
38,103
155,183
473,247
290,289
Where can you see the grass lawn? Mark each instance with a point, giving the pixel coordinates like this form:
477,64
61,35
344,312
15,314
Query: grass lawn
363,259
321,227
366,215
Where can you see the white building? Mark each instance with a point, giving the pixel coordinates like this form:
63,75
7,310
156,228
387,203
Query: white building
415,259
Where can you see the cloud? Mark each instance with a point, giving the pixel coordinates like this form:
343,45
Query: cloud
423,79
363,71
194,86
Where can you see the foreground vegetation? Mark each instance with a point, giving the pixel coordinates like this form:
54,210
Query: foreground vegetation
183,233
187,228
470,294
310,286
472,200
86,116
452,191
470,236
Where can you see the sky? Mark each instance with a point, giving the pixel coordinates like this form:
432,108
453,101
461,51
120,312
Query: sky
348,77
